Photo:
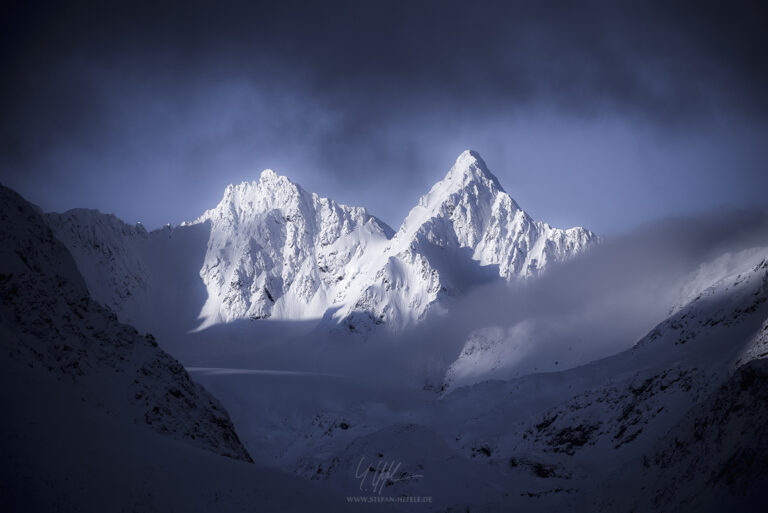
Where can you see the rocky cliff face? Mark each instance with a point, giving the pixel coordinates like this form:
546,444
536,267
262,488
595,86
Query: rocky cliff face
715,458
50,323
276,250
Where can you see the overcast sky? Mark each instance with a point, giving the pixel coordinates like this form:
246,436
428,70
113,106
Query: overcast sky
604,115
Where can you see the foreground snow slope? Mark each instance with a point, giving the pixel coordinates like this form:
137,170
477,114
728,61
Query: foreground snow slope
274,250
61,453
50,324
713,460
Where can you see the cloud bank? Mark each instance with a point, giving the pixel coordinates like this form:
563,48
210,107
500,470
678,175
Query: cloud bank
595,113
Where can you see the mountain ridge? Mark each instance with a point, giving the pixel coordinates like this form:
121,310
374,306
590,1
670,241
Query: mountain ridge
278,251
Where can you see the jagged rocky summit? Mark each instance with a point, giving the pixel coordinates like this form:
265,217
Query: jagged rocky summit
277,251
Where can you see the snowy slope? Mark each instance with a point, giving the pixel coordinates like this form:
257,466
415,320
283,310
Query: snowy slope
277,251
106,248
574,429
61,453
713,460
553,441
485,355
496,352
49,323
464,231
151,280
469,209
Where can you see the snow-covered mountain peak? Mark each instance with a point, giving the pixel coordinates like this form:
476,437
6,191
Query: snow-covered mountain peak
470,167
469,175
270,192
276,250
469,185
463,224
268,175
470,209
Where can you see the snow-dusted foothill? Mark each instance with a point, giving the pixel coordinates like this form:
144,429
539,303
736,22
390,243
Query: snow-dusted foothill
51,324
105,248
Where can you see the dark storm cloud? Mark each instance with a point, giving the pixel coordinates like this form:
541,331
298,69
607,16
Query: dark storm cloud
343,96
659,57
